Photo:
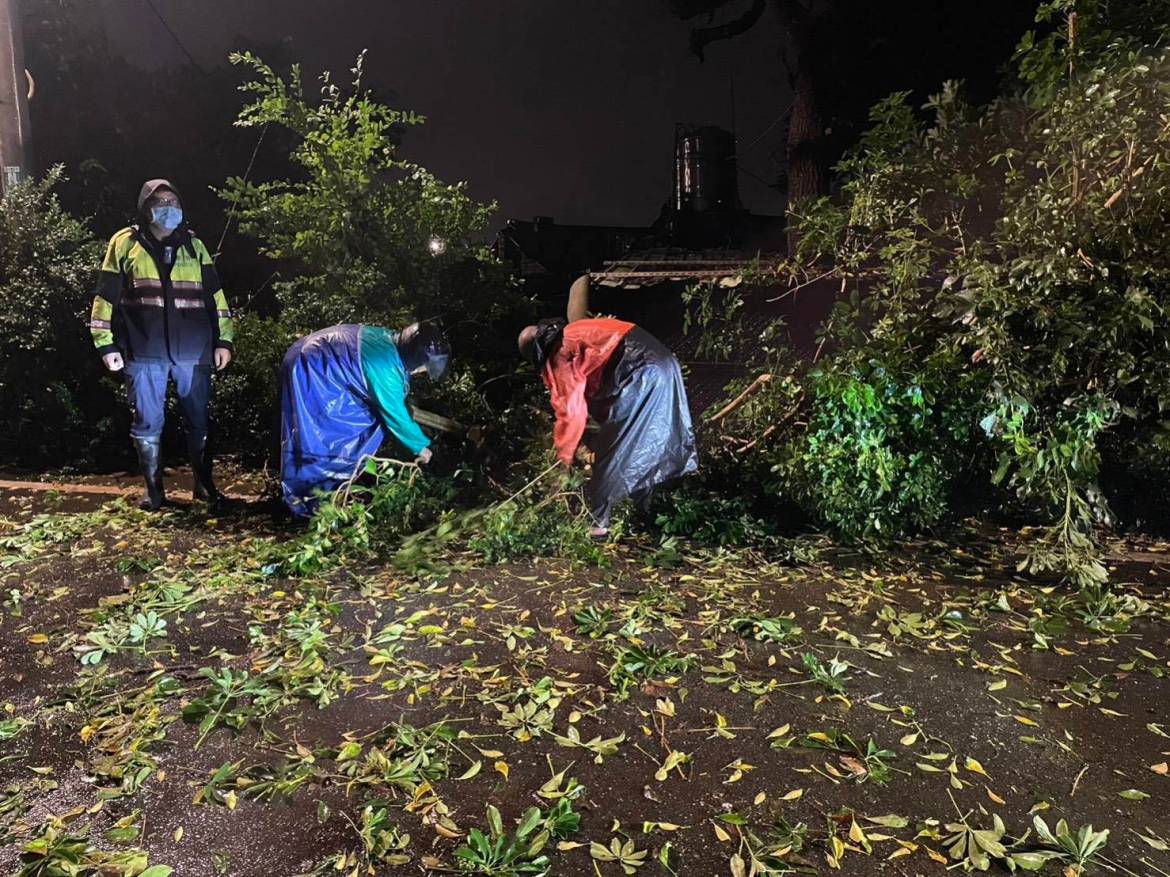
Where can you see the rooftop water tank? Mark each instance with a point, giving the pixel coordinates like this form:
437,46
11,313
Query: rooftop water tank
704,170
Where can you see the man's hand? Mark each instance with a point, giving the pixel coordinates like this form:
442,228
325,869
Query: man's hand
222,357
424,456
584,456
113,361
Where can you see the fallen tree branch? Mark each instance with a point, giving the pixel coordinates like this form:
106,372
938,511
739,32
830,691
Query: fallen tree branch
792,290
771,430
1116,196
742,397
437,421
578,308
341,493
417,550
761,437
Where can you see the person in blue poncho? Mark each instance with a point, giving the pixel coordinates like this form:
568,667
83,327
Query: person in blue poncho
343,389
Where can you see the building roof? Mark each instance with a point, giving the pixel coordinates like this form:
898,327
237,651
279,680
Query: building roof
651,268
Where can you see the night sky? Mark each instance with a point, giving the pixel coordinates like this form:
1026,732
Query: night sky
498,80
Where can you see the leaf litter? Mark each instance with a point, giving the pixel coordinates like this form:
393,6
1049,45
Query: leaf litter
719,715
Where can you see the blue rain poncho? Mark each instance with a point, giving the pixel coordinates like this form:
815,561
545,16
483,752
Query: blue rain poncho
343,391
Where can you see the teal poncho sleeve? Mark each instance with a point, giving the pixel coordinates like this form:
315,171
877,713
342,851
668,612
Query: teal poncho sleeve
389,384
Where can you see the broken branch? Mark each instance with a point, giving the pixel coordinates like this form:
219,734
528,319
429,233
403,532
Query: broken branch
742,397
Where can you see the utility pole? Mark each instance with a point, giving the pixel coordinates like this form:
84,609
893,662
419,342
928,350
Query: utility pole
15,130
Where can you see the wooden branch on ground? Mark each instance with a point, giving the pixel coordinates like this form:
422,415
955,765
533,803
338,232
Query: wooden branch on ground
437,421
742,397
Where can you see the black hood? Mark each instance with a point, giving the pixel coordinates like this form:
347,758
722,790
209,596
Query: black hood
547,340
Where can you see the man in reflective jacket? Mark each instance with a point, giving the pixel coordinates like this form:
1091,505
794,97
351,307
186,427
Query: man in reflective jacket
631,385
343,389
160,314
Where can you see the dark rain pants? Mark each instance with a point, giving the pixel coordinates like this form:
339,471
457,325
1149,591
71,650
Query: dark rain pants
146,387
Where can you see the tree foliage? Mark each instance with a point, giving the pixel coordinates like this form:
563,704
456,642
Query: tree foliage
371,237
47,366
360,234
1019,251
883,445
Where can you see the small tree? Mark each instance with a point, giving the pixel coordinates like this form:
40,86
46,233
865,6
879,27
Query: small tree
370,236
365,236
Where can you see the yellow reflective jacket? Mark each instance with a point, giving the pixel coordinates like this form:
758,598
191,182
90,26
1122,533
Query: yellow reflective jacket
160,300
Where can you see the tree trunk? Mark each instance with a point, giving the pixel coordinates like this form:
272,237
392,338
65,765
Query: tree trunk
807,174
806,150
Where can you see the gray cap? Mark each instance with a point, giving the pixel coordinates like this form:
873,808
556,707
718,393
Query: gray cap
152,186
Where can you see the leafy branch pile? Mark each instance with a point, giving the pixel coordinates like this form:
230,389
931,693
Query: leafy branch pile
1005,275
419,521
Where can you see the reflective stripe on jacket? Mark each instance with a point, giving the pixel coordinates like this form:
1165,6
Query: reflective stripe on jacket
160,300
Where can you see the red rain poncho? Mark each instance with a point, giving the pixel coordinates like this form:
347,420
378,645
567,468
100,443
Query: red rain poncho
573,374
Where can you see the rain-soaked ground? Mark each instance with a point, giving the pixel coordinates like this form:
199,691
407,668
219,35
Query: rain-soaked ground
167,701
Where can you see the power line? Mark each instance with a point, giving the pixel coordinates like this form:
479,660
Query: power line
771,125
743,170
247,174
174,36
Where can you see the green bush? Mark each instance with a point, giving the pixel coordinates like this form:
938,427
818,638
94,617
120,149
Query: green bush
246,405
880,451
58,409
1022,246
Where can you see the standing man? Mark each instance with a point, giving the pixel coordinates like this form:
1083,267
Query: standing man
632,386
160,314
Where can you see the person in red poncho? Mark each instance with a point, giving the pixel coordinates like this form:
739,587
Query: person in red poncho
632,386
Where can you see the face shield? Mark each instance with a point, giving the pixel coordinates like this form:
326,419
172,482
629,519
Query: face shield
437,366
424,346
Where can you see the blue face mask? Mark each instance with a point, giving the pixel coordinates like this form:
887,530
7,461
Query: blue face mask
167,218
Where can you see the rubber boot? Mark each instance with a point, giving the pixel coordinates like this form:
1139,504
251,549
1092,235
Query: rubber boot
203,487
150,462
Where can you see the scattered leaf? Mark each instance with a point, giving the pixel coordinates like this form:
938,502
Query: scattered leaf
1133,795
974,766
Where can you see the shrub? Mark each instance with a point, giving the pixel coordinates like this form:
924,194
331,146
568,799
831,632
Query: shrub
55,405
880,451
246,405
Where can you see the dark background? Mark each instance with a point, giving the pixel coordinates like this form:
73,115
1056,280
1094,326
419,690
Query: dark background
560,108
